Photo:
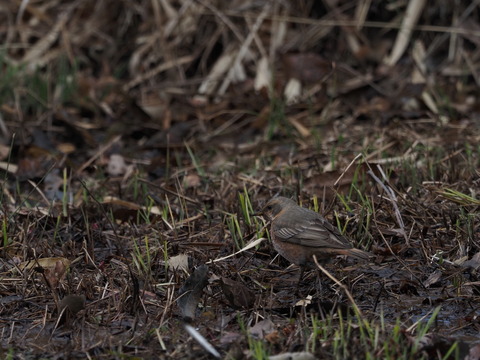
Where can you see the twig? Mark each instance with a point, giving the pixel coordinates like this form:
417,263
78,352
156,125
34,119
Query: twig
98,154
242,52
334,279
391,194
346,169
405,266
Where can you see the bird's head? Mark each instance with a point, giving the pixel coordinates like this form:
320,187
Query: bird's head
275,206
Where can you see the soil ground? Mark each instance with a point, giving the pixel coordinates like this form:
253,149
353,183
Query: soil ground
139,139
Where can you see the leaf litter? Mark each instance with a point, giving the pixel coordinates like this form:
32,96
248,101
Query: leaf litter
133,135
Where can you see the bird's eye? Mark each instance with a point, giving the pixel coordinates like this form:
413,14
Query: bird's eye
269,207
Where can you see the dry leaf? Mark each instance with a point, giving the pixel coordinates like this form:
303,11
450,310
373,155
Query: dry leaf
474,353
46,263
262,328
229,337
237,294
69,307
263,78
433,278
191,181
73,303
116,165
292,91
303,355
474,262
35,163
55,275
308,68
66,148
191,292
4,151
178,262
52,185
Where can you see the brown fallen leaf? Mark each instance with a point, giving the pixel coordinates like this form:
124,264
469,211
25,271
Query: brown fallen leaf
230,337
49,262
237,294
53,268
307,67
66,148
56,274
433,278
473,263
34,163
191,181
69,307
432,344
4,151
72,303
474,353
273,337
262,328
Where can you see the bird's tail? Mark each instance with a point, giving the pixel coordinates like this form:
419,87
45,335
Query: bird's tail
359,254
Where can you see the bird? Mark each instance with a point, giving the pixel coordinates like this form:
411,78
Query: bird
298,233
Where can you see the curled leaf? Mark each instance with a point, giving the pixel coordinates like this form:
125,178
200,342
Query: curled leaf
237,294
191,292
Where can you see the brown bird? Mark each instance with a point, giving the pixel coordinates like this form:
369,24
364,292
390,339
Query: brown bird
298,233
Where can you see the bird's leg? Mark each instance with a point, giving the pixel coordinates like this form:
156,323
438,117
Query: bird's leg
302,271
318,284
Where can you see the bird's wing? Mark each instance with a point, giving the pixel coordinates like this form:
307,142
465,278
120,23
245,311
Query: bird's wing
317,233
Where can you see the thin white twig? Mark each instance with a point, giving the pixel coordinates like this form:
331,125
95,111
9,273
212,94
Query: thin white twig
391,195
